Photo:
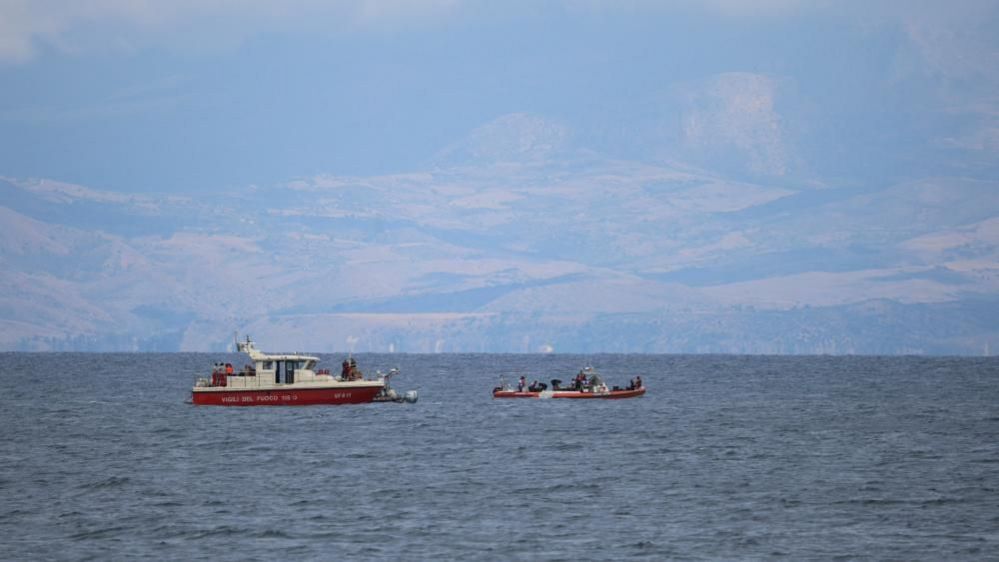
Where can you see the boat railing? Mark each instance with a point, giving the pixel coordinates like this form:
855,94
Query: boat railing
249,378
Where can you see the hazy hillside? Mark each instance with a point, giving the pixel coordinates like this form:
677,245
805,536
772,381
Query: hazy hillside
518,239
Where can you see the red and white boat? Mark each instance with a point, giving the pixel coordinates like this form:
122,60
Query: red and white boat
606,394
289,380
588,385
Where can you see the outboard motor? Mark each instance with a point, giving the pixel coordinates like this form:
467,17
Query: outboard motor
389,394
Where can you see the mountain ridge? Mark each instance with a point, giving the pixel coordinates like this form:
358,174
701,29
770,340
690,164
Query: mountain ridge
545,252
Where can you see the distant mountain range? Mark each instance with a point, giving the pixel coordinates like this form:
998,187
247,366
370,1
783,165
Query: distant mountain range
518,239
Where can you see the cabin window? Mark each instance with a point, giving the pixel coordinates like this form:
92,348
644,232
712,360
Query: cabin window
268,365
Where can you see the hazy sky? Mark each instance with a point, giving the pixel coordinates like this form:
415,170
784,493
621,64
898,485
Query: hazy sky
185,95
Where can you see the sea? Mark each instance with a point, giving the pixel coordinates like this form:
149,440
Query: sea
102,457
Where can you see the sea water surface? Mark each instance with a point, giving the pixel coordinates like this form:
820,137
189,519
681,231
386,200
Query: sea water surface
725,457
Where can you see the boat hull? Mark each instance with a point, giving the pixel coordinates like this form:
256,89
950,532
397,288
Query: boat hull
572,394
285,396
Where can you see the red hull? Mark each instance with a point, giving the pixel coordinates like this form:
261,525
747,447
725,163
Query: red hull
572,394
286,397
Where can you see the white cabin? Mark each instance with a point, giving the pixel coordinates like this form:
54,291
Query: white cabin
280,371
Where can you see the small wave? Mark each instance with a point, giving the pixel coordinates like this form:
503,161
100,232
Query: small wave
168,431
112,482
272,534
220,531
891,502
570,487
169,504
875,501
14,514
360,456
68,411
97,533
940,501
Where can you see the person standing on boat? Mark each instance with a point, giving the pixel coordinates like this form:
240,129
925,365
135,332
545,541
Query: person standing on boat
638,381
521,384
345,370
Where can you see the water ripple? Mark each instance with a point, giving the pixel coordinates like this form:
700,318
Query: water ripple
725,458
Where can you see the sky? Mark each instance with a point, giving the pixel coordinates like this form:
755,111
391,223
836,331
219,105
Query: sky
140,96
